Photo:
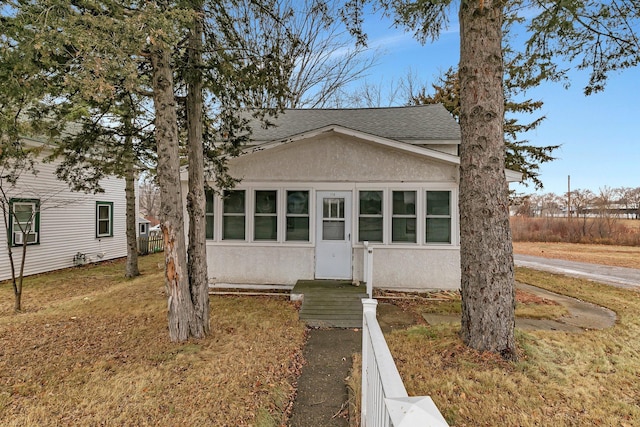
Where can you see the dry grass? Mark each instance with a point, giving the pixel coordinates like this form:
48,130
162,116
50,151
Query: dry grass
92,349
600,230
561,379
448,302
621,256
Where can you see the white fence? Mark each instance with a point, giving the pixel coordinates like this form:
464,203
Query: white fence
385,402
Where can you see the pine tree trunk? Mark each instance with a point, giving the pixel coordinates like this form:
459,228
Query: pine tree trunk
131,269
180,307
197,251
488,294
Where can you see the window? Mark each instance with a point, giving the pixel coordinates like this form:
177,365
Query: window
333,220
297,216
209,195
438,223
370,216
403,221
266,215
25,221
233,217
104,219
143,228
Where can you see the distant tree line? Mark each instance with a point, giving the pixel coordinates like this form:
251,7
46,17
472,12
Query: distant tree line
579,216
622,202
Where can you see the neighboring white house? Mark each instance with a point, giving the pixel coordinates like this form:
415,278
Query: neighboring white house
67,228
321,182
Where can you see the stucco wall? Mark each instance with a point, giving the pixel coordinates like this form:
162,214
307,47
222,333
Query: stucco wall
393,268
339,158
259,264
416,269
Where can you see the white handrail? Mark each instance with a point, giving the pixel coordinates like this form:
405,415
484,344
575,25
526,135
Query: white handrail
368,268
385,402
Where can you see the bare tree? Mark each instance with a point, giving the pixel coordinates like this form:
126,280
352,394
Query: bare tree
149,196
326,59
580,202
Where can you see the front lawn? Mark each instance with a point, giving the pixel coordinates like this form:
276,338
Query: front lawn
561,379
92,348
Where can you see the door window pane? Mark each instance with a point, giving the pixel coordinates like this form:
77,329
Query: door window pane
332,230
333,218
333,207
297,216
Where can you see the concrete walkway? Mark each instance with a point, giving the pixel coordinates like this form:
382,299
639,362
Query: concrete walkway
322,396
583,316
628,278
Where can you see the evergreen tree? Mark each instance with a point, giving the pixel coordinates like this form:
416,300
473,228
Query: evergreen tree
520,155
600,36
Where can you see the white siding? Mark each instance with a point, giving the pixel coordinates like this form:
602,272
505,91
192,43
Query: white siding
67,223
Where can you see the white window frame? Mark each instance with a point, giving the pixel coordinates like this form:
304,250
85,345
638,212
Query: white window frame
275,215
417,215
99,220
247,207
449,217
210,214
17,233
360,215
309,215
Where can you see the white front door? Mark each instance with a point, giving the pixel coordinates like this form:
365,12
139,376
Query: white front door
333,235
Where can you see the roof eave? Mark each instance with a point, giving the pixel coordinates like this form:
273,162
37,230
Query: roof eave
513,176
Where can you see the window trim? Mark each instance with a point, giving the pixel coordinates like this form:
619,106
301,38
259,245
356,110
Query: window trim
100,204
210,215
449,217
286,215
256,214
36,220
243,214
416,215
381,215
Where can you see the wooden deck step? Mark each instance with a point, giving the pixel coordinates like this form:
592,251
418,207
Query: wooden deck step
330,303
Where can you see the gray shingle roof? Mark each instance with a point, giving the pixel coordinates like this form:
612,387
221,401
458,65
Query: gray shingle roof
414,123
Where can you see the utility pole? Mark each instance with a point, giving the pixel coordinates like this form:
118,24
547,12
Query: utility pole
569,196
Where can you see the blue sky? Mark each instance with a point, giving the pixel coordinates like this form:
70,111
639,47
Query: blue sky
599,134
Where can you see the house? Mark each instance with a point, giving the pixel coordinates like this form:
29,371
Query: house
321,182
62,228
143,226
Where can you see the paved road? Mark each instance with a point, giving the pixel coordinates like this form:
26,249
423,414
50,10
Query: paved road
622,277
